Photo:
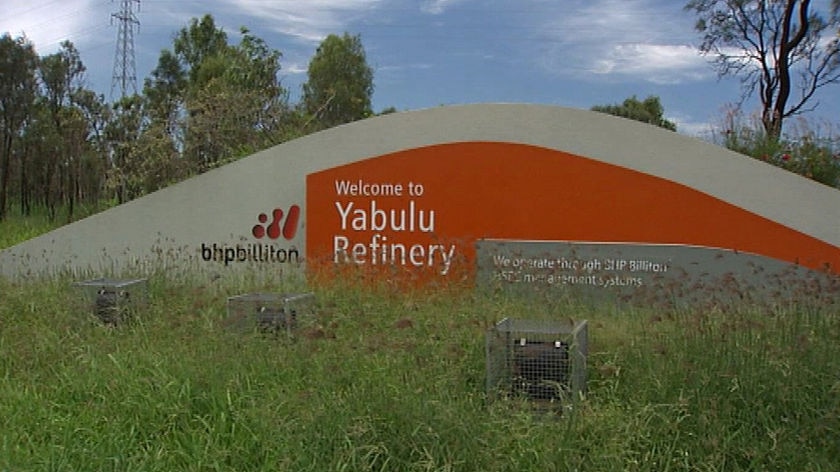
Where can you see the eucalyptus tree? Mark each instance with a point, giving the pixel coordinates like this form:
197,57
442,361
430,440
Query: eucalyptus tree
18,89
143,155
236,104
164,93
61,77
128,119
94,162
783,51
339,82
215,100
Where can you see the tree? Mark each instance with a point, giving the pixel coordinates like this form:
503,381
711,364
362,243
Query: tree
775,47
18,88
215,100
340,82
95,115
238,103
649,111
207,102
122,134
197,45
164,92
61,75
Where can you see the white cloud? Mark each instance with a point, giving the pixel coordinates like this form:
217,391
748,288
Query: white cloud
47,23
607,20
295,68
403,67
436,7
689,127
310,20
641,39
657,63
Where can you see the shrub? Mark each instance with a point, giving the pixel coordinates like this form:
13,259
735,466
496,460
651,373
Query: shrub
807,151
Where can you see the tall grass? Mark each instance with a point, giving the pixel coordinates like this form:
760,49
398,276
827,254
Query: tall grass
380,380
16,228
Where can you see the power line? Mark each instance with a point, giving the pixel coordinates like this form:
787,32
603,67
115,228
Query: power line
125,70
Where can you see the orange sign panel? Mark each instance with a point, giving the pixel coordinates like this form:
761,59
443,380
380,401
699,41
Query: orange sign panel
421,211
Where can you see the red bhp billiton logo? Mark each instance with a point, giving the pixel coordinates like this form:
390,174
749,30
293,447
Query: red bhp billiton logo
278,226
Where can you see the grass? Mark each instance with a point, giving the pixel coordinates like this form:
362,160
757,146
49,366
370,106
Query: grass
395,381
385,380
17,228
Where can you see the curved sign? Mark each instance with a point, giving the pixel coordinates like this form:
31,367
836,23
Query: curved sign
512,197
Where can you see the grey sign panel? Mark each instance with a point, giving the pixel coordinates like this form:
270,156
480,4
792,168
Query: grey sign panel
649,274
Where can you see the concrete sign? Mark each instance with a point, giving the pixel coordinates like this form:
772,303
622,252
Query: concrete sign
502,195
650,274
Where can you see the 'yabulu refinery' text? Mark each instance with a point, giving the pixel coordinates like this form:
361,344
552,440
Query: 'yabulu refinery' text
381,249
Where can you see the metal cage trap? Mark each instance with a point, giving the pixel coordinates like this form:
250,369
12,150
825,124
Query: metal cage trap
269,313
113,301
540,361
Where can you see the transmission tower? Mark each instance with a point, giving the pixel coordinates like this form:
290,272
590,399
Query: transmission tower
125,72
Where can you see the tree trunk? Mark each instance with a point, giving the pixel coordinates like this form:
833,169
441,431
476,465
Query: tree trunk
4,173
25,192
773,117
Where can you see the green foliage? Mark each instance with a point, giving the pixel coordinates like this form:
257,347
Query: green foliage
340,82
208,102
807,152
164,91
198,46
395,381
18,88
648,111
231,96
71,114
17,228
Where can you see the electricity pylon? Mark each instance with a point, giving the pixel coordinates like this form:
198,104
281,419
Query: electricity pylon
125,72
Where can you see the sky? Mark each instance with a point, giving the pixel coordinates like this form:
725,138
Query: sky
428,53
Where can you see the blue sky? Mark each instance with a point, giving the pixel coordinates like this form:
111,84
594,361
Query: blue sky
426,53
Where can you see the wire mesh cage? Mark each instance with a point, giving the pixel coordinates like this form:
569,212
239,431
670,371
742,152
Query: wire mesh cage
270,313
541,361
113,301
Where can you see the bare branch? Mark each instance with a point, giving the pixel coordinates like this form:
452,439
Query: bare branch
774,47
